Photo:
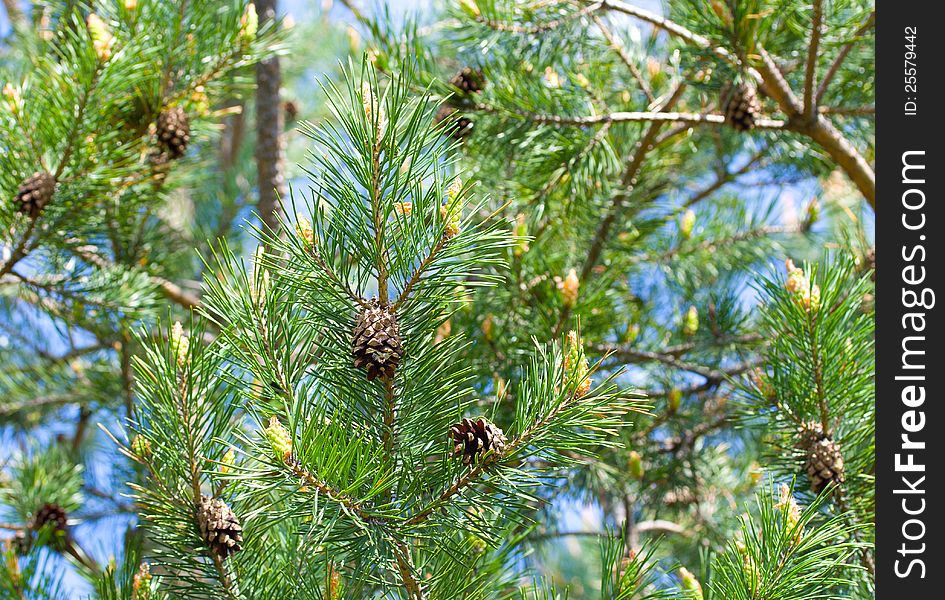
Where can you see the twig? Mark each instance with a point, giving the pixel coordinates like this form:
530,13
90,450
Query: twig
687,118
540,27
819,130
842,55
625,57
810,73
627,183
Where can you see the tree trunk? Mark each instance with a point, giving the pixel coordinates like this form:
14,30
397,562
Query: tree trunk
270,144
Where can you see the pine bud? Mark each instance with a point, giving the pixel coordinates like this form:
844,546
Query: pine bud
443,331
180,344
279,438
141,584
582,80
470,7
788,505
551,78
810,298
673,400
354,39
451,212
374,111
569,288
691,322
690,584
259,279
796,279
501,388
11,95
487,328
229,459
403,208
687,223
635,465
102,38
521,236
653,67
755,474
141,447
199,101
334,582
575,365
304,229
131,5
249,24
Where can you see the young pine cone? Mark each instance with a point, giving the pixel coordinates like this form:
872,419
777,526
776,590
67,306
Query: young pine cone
376,345
35,193
473,438
824,461
469,81
741,106
219,527
49,514
173,131
453,124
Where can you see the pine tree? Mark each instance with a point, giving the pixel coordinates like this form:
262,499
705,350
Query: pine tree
108,110
603,131
426,363
355,464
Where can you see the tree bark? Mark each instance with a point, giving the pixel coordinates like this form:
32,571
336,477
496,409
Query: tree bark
270,143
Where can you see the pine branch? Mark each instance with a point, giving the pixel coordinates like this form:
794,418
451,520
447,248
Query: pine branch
819,130
681,118
627,184
171,290
625,57
541,27
834,67
810,73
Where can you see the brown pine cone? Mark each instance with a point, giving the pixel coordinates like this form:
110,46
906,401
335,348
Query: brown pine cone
741,106
173,131
474,437
49,514
823,461
824,465
219,527
469,81
452,123
35,193
376,345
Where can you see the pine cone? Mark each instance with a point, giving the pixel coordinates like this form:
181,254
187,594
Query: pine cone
49,514
469,81
473,438
741,106
173,131
824,465
35,193
453,124
219,527
811,433
824,461
376,344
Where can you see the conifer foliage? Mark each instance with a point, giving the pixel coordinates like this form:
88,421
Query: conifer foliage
354,460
